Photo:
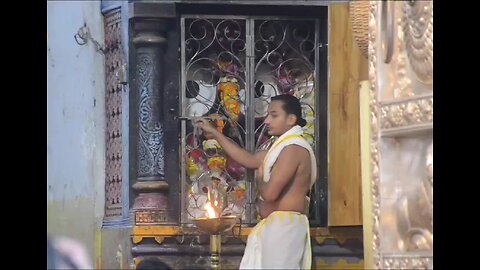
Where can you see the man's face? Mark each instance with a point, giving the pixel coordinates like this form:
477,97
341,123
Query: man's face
278,121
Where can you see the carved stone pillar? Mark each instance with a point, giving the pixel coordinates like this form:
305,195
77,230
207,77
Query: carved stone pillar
151,202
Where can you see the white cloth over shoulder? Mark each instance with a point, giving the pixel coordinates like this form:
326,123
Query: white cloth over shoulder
292,136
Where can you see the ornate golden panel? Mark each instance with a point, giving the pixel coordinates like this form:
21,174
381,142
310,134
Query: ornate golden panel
407,117
401,141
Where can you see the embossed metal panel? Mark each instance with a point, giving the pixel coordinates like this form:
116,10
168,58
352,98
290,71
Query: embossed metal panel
401,73
114,60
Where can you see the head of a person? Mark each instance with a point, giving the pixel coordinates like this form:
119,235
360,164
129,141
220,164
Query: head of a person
152,263
66,253
284,112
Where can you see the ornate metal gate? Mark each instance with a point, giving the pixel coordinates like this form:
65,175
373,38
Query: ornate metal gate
231,67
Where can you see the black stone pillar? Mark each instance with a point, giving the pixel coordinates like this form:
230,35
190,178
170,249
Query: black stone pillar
151,203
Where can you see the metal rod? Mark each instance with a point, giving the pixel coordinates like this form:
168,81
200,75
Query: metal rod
215,247
186,118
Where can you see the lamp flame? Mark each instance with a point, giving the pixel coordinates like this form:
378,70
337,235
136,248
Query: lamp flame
211,213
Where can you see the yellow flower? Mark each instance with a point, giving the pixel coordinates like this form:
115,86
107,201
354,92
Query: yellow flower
216,162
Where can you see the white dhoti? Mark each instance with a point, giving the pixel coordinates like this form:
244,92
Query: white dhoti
280,241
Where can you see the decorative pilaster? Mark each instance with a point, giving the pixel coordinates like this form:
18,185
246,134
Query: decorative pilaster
151,203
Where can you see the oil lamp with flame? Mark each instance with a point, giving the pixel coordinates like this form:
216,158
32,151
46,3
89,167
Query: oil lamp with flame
216,190
214,224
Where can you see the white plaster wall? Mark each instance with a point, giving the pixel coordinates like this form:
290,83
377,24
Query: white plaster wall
75,122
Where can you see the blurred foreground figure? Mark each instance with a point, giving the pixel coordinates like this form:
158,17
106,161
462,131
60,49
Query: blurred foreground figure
152,263
65,253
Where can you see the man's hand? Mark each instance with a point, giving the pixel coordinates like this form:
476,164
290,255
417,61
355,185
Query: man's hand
240,155
209,131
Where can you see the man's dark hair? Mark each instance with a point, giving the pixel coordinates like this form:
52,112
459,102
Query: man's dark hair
152,263
291,105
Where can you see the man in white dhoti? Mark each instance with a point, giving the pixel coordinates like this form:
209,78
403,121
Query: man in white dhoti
286,173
